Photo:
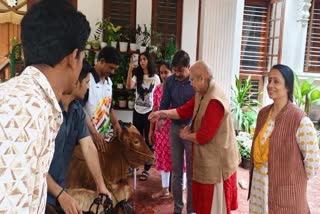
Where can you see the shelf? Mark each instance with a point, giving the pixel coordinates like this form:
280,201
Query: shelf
122,109
116,90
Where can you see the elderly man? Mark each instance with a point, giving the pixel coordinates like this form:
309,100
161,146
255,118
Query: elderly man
215,152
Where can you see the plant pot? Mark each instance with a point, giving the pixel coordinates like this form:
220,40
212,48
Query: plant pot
88,46
123,46
122,103
95,45
114,44
130,104
245,163
143,49
119,86
133,46
103,44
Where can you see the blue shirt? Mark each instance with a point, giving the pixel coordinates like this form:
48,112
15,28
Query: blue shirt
175,94
73,129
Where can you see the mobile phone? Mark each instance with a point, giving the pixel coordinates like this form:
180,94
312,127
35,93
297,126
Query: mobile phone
135,58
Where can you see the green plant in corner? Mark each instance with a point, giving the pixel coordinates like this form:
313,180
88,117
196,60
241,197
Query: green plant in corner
109,30
305,93
243,107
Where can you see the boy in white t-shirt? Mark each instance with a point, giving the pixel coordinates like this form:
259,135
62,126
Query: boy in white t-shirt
98,101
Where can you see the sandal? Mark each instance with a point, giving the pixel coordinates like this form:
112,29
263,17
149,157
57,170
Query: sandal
160,194
144,176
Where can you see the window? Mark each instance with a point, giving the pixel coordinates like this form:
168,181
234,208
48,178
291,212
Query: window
167,20
254,38
121,12
312,56
261,39
275,24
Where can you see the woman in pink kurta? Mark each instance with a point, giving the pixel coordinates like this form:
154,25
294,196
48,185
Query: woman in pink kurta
160,136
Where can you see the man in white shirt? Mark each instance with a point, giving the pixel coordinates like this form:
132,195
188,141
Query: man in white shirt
53,37
98,101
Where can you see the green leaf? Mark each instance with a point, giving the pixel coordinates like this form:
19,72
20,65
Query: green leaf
305,88
315,94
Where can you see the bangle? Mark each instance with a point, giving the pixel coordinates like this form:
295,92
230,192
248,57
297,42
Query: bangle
59,194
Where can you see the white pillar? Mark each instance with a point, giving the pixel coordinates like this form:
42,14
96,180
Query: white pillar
94,12
220,39
189,28
144,12
295,34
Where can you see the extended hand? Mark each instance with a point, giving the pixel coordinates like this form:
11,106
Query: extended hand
103,189
99,141
184,132
154,116
117,129
68,204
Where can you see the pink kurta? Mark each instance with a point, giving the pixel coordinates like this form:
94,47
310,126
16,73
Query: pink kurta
161,137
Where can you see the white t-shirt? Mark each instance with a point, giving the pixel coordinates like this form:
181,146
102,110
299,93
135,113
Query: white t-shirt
144,103
99,103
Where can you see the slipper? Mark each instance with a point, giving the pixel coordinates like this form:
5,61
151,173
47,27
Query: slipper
161,194
144,176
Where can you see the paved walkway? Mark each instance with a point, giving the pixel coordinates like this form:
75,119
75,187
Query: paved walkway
143,202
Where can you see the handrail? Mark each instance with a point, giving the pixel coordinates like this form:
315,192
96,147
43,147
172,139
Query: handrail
4,64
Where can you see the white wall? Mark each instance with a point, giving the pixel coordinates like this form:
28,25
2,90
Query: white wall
93,10
144,12
189,28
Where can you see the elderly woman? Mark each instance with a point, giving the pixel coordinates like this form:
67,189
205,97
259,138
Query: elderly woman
215,153
285,152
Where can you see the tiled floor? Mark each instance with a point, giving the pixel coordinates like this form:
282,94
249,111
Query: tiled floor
144,204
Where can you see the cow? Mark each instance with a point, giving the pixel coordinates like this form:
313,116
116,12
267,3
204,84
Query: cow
125,151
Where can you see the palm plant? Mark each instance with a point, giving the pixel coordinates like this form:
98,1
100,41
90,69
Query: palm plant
243,107
305,93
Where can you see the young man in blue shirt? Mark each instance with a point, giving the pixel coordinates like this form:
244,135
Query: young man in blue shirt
73,131
177,90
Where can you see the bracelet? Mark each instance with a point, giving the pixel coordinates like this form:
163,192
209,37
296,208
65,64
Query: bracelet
59,194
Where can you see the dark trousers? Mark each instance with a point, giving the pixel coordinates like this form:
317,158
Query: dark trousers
141,122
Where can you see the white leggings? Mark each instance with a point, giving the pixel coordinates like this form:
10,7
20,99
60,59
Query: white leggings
165,179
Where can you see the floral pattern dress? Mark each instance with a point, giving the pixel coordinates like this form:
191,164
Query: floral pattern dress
161,137
259,190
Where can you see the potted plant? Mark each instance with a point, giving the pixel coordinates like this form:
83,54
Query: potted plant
145,36
243,108
131,100
305,93
110,32
124,39
244,140
122,102
166,50
133,39
119,81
